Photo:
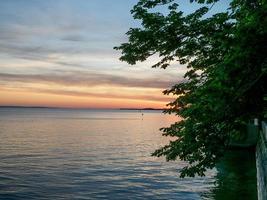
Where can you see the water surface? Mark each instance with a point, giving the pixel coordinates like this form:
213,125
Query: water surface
105,154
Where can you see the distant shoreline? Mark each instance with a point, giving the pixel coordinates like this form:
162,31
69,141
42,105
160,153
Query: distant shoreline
29,107
141,109
46,107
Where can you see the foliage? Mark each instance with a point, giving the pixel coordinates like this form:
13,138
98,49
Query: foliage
225,54
265,107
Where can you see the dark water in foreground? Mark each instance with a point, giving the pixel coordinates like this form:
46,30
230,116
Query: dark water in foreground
82,154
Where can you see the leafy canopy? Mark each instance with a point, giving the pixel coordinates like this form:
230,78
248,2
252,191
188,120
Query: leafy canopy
226,57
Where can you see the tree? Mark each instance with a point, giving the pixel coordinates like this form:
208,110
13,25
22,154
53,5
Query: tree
226,79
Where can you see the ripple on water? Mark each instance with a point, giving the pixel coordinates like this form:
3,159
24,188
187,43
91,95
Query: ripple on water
92,155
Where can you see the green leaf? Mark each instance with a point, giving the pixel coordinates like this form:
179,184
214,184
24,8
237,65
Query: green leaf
224,86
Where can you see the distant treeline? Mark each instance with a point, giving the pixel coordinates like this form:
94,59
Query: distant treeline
141,109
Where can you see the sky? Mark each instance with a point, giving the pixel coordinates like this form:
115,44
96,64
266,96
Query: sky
60,54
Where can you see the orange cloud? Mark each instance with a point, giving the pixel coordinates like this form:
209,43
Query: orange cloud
30,98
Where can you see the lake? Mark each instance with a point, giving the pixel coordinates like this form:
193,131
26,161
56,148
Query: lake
105,154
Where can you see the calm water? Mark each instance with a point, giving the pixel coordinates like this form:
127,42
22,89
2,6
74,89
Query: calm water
83,154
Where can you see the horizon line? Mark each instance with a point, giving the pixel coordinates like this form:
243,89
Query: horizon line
86,108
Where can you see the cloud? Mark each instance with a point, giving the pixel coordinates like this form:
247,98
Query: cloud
69,29
66,48
86,79
147,97
74,38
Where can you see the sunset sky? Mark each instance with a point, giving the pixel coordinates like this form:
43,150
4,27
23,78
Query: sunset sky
60,53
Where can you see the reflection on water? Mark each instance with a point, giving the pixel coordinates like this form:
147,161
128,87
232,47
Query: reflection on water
236,177
81,154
